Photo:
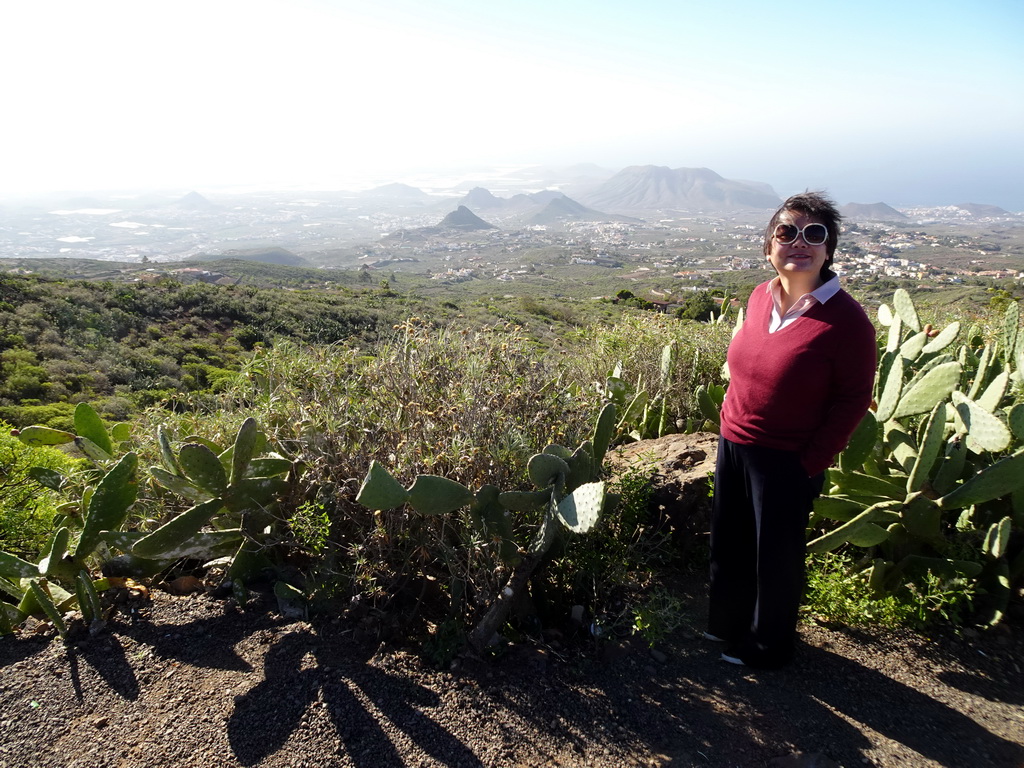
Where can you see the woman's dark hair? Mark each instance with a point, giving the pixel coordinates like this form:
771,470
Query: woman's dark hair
817,206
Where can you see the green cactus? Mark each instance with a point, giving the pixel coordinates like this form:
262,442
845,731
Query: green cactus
546,469
995,481
177,530
930,448
944,338
982,430
905,309
891,390
882,512
569,491
1011,331
709,400
932,388
236,492
938,467
1015,420
109,504
997,538
580,510
43,599
982,372
203,468
88,599
861,444
89,425
36,436
434,495
603,432
12,567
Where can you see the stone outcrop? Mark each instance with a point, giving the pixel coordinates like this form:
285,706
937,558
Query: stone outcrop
680,468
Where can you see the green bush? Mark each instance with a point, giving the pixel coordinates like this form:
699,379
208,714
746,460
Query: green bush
27,508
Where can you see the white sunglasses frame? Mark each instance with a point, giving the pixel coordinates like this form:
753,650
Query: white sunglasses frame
800,233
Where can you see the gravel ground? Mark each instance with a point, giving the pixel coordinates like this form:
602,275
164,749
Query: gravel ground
176,681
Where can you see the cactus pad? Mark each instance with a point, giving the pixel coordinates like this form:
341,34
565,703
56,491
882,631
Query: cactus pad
997,480
89,424
904,306
436,495
108,505
580,510
933,387
36,436
984,431
380,490
546,469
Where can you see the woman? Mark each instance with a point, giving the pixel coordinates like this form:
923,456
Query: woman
801,371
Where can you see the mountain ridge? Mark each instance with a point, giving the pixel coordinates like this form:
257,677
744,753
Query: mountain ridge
652,187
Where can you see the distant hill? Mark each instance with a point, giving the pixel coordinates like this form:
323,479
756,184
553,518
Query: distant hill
271,255
464,219
982,211
397,192
193,201
547,206
563,208
871,212
482,199
651,187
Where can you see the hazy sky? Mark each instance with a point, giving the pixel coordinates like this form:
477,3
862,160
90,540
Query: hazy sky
905,101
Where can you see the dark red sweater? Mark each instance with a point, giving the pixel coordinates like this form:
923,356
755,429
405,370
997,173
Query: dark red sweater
805,387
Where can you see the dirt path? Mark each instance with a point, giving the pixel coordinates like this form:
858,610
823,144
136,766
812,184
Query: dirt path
193,681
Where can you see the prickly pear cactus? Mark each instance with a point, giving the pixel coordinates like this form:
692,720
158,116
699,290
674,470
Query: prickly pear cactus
569,494
937,463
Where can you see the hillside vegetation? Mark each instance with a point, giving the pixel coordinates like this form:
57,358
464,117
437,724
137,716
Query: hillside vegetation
346,452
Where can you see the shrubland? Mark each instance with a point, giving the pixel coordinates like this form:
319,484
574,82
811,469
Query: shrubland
303,468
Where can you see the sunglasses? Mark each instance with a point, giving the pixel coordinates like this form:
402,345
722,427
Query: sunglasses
813,234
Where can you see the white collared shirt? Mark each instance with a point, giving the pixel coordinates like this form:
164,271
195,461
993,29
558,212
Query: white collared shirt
818,296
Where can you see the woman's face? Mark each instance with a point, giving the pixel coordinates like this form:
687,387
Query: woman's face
797,258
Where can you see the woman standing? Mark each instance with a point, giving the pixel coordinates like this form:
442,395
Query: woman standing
801,371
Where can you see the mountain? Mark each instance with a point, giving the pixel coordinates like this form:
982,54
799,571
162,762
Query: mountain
562,208
982,211
871,212
481,199
464,219
647,187
397,192
193,201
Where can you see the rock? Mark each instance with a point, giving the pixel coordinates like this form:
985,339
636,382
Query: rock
679,467
185,585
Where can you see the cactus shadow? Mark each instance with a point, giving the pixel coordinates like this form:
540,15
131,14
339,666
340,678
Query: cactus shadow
904,714
697,710
14,649
107,657
360,699
190,643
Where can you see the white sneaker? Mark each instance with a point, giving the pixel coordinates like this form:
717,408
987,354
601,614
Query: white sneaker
733,660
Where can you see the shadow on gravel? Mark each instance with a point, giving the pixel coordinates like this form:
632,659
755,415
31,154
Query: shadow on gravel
901,713
696,710
349,687
208,642
106,655
990,667
13,650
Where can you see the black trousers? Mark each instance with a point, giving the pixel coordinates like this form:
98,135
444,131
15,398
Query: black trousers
763,498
